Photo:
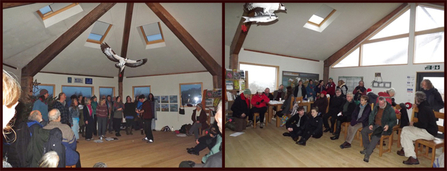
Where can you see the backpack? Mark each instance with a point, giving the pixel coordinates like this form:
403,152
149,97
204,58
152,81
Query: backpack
166,129
36,145
54,143
185,128
16,153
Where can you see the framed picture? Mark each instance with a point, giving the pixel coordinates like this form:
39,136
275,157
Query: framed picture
107,91
209,102
173,107
173,99
141,90
191,93
165,107
69,80
157,98
88,81
164,99
78,80
48,87
157,108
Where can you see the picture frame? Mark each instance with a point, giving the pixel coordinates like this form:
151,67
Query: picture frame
165,107
158,108
157,98
69,80
164,99
173,107
191,93
173,99
141,90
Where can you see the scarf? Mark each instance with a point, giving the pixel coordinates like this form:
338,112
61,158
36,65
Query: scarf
90,109
362,108
245,99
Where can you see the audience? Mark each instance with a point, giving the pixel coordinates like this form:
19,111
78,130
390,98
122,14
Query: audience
372,96
359,120
285,107
434,98
380,122
241,109
300,90
267,93
41,104
118,108
335,107
101,113
49,160
310,89
259,102
88,120
342,86
60,105
279,94
314,127
330,87
359,91
426,128
344,115
199,119
68,138
296,125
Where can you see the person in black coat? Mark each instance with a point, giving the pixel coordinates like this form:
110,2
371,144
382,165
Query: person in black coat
268,94
434,98
321,103
296,124
348,108
359,119
129,114
314,127
301,87
88,119
241,109
335,107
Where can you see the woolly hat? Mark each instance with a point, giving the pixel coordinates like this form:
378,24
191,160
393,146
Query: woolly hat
324,92
200,105
43,92
247,91
368,90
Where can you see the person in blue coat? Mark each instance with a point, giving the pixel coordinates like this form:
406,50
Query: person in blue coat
41,105
310,89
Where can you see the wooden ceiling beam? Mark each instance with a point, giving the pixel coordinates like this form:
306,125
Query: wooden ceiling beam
238,39
126,35
45,57
196,49
11,5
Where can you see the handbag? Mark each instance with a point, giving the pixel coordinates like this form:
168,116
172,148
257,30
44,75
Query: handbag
181,111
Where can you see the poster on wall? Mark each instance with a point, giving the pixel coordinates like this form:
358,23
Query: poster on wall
173,99
290,78
78,80
173,107
164,99
165,107
158,107
88,81
69,80
157,98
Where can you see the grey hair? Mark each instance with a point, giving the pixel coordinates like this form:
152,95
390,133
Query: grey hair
391,90
338,89
55,116
49,159
100,165
33,115
420,97
350,94
381,98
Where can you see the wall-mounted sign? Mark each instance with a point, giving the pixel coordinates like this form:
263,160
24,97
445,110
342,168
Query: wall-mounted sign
69,80
78,80
433,67
88,81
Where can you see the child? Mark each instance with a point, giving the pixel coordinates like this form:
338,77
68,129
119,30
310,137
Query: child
314,127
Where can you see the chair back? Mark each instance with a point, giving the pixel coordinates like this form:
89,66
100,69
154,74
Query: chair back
328,100
440,115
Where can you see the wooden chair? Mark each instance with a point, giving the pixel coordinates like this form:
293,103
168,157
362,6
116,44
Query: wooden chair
433,144
382,138
397,127
74,166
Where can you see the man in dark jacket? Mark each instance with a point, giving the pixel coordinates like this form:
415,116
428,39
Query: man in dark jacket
60,105
241,109
148,114
426,128
296,124
335,107
279,94
359,91
434,98
345,115
359,120
314,127
383,117
300,90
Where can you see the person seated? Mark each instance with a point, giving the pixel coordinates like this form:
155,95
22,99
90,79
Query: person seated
359,119
300,90
198,121
314,127
49,160
296,124
345,114
359,91
209,140
259,102
267,93
100,165
68,138
284,111
380,122
279,94
321,103
388,95
372,96
335,107
426,129
241,109
310,89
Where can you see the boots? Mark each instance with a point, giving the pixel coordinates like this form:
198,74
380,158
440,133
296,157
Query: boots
127,131
302,141
337,131
130,131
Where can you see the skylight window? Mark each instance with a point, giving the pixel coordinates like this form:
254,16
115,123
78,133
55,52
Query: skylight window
56,12
152,35
99,32
321,15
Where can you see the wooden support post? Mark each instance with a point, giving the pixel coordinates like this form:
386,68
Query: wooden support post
125,45
27,88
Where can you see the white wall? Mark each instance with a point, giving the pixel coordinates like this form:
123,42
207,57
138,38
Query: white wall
284,63
59,80
397,75
14,72
169,85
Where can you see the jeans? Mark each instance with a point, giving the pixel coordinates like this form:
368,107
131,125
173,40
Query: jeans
195,129
75,127
147,129
102,122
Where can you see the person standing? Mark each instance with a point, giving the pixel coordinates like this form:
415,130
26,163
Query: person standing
154,107
359,91
147,115
320,87
300,90
60,105
426,128
434,98
41,104
81,105
101,114
95,120
139,112
118,108
330,87
342,86
381,122
109,104
259,102
74,112
129,114
310,89
88,119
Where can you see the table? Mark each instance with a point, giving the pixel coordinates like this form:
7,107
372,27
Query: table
278,105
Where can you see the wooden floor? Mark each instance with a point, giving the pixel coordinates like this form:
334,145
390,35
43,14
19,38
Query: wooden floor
267,147
167,150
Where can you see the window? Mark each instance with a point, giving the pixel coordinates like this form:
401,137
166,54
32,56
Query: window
85,91
152,35
190,93
428,18
107,91
141,90
99,32
351,60
429,40
56,12
261,76
321,15
48,87
393,51
399,26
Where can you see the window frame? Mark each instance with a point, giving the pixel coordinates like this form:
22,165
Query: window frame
324,20
154,41
113,91
180,92
53,13
103,36
54,88
264,65
133,90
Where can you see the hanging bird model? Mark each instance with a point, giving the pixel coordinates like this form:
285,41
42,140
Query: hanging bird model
264,12
122,62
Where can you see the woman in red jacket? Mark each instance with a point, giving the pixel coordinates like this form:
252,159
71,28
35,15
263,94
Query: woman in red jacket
259,102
